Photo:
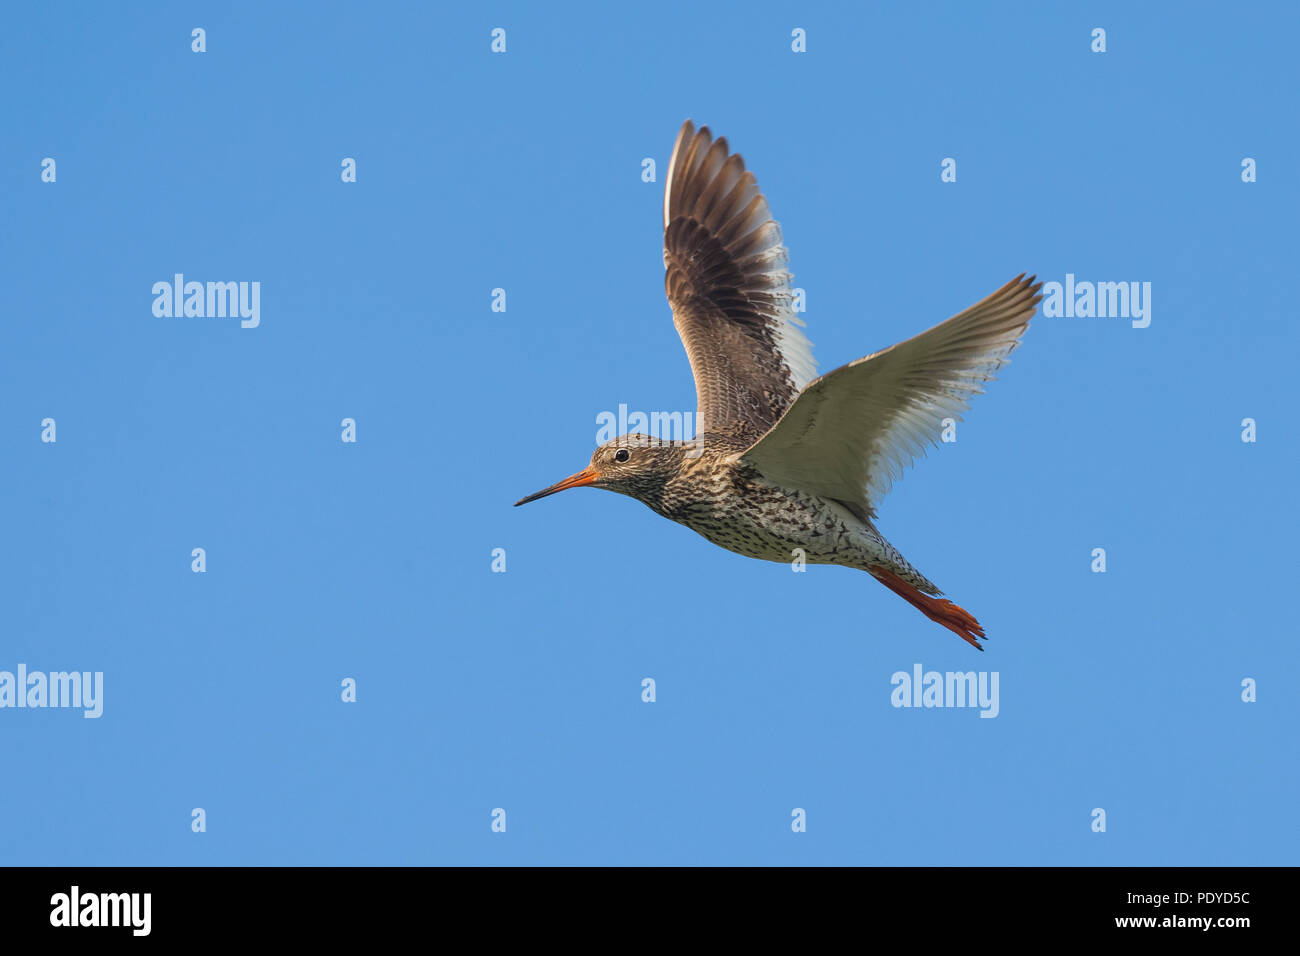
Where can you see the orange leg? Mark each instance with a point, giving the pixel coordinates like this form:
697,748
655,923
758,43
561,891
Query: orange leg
958,620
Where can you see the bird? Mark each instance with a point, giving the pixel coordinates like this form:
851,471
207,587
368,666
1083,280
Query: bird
784,463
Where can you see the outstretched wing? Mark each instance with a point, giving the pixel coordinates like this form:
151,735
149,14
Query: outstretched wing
851,433
729,288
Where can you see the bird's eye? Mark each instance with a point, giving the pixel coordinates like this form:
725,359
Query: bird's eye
622,455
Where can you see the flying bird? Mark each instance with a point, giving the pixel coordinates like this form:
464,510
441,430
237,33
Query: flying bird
783,460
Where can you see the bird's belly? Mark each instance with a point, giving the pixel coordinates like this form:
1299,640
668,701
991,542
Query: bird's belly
778,526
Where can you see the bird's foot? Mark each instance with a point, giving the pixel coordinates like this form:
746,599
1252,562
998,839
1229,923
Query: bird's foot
956,619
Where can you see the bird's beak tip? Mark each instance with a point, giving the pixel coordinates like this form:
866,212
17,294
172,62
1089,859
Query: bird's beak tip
585,477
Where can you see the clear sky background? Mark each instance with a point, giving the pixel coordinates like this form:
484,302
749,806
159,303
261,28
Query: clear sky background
522,690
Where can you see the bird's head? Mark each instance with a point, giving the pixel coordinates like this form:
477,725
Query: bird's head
635,465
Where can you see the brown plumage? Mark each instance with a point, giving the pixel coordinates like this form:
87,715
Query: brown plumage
783,463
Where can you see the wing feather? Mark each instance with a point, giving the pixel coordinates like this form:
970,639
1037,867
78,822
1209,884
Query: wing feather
729,286
851,433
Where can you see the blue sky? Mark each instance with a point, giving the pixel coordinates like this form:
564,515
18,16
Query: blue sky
372,560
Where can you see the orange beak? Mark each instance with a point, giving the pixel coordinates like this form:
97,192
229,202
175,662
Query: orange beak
585,477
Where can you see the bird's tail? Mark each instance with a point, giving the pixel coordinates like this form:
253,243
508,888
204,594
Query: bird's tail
956,619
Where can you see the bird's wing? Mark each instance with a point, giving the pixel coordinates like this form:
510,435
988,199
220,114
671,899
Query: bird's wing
851,433
729,288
